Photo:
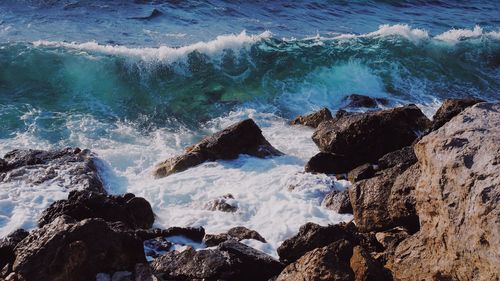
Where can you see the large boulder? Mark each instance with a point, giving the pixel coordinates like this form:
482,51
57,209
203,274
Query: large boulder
244,137
69,167
449,109
363,138
313,119
329,263
231,260
69,250
135,212
457,199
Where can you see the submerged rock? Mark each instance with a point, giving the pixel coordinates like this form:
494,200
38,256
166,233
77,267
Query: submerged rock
221,204
313,119
69,250
449,109
69,167
244,137
364,138
457,199
135,212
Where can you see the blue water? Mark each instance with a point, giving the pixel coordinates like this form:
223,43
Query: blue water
137,81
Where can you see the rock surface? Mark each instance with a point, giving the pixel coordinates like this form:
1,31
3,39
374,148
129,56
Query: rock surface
236,233
364,138
69,250
328,163
133,211
313,119
338,201
356,101
449,109
7,245
69,167
244,137
365,268
326,263
457,199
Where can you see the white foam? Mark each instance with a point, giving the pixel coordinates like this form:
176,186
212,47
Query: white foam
456,35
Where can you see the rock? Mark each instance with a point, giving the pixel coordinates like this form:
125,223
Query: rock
328,163
69,250
365,268
449,109
221,204
356,100
231,260
404,156
133,211
327,263
390,239
70,167
236,233
362,172
457,199
7,245
338,201
156,246
195,234
313,119
244,137
364,138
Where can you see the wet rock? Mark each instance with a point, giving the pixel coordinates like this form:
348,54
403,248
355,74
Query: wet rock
7,245
362,172
195,234
67,249
236,233
244,137
355,101
133,211
215,239
338,201
156,246
457,199
449,109
365,268
331,262
231,260
221,204
328,163
364,138
313,119
69,167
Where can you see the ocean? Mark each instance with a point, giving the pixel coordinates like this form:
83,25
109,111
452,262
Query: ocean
138,81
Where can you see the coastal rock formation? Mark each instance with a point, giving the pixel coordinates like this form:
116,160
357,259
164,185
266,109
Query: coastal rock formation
66,249
364,138
338,201
313,119
135,212
356,101
237,233
326,263
244,137
231,260
457,200
7,245
70,167
449,109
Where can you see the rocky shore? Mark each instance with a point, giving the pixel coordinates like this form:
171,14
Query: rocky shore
424,198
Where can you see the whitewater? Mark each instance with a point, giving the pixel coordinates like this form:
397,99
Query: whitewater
135,102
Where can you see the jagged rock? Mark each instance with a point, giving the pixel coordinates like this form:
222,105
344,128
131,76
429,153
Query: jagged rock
457,199
231,260
244,137
362,172
221,204
364,138
327,263
69,167
338,201
7,245
237,233
133,211
66,249
365,268
313,119
356,100
449,109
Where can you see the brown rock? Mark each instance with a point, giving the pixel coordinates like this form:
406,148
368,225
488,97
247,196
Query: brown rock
329,263
365,268
449,109
356,100
457,201
313,119
338,201
7,245
362,172
328,163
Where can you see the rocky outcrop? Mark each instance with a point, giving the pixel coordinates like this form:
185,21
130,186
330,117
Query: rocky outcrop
449,109
338,201
357,101
326,263
457,200
231,260
7,245
244,137
135,212
66,249
70,167
313,119
364,138
236,233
